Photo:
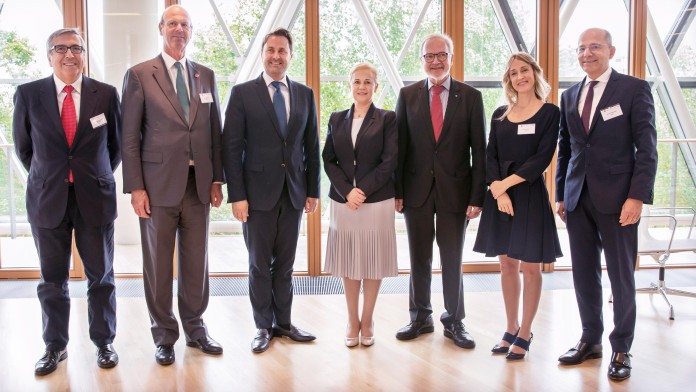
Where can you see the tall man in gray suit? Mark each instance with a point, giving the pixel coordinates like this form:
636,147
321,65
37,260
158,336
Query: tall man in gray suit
441,175
173,170
67,130
607,162
271,157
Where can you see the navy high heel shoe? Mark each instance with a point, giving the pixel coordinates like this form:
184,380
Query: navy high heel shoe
507,337
521,343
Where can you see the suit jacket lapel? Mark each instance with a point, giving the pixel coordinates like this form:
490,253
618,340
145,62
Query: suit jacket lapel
49,100
89,99
194,88
452,105
425,109
367,122
161,75
605,98
262,90
294,107
574,111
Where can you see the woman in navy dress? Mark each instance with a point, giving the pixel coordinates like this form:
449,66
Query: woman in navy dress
517,223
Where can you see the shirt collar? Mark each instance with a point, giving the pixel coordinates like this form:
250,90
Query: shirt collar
60,85
169,61
268,79
446,84
603,78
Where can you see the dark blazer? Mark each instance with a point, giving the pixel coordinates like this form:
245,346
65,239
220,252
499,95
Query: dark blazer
43,149
618,158
157,138
370,164
258,161
456,163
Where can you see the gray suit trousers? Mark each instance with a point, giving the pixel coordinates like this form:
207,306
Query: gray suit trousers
187,223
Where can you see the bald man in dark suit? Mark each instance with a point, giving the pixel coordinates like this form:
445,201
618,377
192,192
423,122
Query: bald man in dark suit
607,161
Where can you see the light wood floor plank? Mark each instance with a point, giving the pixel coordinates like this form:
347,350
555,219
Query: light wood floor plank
664,351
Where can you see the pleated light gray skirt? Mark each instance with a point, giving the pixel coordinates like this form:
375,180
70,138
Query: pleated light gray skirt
362,243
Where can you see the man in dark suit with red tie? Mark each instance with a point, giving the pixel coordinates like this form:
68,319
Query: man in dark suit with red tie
271,158
67,130
607,162
440,175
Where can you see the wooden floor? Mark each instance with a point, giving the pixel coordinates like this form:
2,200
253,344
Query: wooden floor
664,351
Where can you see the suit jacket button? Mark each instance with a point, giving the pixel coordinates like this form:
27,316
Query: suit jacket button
65,180
69,156
587,145
282,165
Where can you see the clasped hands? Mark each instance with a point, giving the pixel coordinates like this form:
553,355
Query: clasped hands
499,191
355,198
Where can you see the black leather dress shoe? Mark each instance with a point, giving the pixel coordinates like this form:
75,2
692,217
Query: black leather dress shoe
49,362
580,353
620,366
415,328
293,333
106,356
262,340
457,332
207,345
165,354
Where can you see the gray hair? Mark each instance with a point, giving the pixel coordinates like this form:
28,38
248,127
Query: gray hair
58,33
444,37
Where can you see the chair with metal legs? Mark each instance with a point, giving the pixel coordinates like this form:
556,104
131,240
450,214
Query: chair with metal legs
664,220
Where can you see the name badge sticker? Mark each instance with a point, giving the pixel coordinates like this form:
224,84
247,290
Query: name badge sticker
206,98
526,129
98,121
611,112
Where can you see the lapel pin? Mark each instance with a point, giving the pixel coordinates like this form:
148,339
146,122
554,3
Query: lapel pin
196,75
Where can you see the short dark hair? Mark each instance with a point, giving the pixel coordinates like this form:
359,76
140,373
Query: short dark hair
281,32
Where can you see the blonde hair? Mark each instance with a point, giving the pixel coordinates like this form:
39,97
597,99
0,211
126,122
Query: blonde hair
541,87
363,67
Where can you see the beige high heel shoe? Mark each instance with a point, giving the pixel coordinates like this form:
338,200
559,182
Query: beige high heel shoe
351,342
368,340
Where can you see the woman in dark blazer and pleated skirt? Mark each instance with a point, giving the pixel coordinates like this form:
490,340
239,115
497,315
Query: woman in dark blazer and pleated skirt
360,156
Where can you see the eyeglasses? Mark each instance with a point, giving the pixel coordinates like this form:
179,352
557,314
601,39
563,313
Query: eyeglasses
172,24
592,47
62,49
430,57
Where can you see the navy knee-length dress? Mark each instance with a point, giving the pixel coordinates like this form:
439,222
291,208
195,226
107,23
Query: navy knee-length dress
526,149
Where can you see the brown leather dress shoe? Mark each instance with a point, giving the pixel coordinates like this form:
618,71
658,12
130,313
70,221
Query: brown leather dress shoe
580,353
207,345
620,366
49,362
106,356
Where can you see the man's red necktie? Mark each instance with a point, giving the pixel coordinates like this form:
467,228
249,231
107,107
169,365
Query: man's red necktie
436,111
68,117
587,107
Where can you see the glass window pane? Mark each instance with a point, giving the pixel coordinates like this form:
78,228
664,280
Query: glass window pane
227,37
347,38
492,32
670,67
123,33
22,59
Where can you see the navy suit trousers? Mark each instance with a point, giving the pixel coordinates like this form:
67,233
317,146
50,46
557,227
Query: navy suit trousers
96,247
590,232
